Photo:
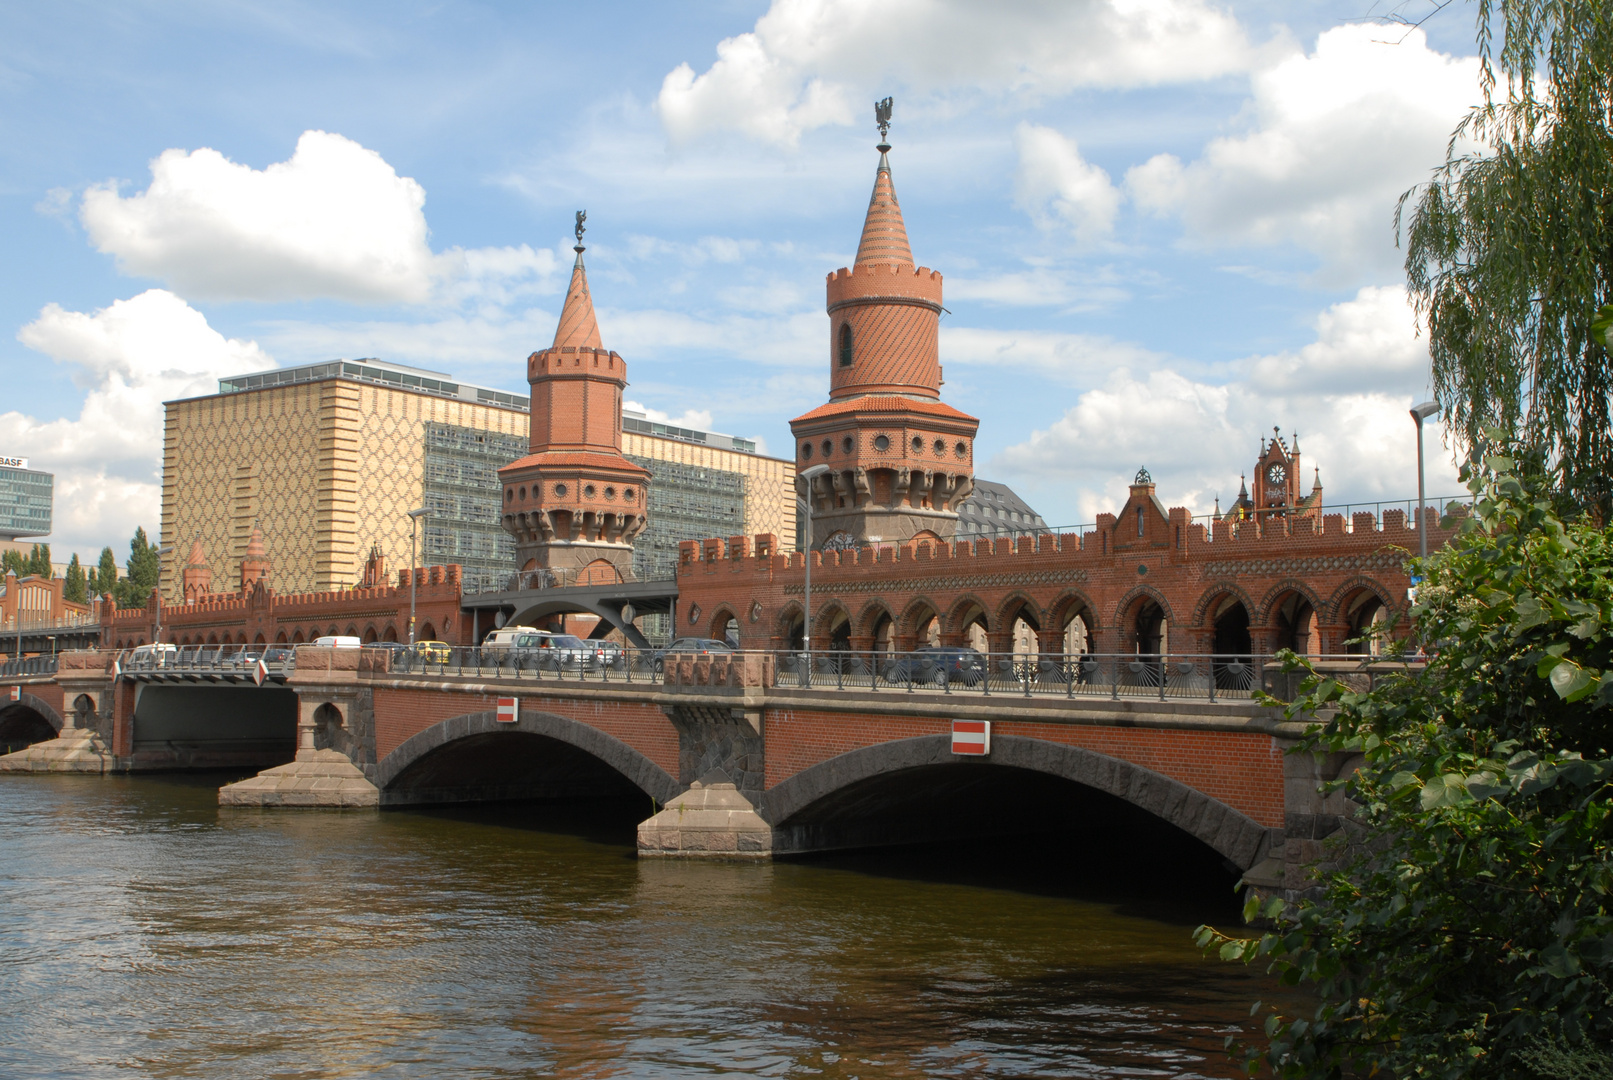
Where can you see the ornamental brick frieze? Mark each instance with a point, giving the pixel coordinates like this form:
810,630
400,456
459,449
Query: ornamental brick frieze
1382,559
962,582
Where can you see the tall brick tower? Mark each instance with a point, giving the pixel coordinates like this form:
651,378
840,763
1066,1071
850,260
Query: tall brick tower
574,503
901,459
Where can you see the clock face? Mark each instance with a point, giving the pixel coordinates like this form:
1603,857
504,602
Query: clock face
1275,474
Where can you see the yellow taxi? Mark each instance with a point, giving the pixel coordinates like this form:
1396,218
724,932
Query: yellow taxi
438,652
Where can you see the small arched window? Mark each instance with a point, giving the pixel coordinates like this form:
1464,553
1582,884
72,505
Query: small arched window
847,351
1139,521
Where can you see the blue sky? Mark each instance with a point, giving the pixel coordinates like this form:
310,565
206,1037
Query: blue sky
1164,224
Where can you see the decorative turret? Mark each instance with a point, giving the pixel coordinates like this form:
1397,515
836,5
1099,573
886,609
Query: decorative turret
196,579
901,459
574,503
255,563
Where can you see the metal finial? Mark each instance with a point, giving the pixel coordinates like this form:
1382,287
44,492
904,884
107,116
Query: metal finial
1143,477
882,117
582,216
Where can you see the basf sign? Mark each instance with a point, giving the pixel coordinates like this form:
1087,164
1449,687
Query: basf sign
13,462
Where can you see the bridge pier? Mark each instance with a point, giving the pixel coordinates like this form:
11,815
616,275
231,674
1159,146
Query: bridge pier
335,739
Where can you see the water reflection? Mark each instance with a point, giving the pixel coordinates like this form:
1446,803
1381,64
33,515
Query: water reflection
146,932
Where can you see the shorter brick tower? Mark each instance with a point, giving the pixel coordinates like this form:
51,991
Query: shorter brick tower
255,563
901,459
196,580
574,504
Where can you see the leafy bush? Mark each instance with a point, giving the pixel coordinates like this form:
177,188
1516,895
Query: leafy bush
1464,928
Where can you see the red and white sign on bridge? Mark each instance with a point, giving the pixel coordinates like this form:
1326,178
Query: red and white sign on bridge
509,710
972,737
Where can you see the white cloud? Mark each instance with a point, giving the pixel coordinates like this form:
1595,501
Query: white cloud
131,356
1056,185
699,419
1067,359
333,221
806,61
1336,136
1346,393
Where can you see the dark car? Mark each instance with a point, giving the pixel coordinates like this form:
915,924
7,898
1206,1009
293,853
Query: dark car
938,665
689,646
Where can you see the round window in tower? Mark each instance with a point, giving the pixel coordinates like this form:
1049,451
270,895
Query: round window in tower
962,449
509,494
847,444
828,447
628,494
523,493
588,492
940,448
806,451
918,445
882,443
610,493
560,491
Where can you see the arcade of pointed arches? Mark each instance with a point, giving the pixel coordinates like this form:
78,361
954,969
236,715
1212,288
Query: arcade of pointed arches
1226,621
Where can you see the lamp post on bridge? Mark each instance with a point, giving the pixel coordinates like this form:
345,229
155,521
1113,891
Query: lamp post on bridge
156,637
805,505
414,521
1419,413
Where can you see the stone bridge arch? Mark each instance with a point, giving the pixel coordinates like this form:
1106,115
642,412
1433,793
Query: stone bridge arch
803,809
28,720
474,758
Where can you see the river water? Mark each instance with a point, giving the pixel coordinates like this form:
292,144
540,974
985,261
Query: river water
146,932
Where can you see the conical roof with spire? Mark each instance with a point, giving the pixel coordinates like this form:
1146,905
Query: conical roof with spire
884,238
578,328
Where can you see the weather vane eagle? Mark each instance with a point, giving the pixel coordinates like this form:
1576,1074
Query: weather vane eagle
882,117
582,216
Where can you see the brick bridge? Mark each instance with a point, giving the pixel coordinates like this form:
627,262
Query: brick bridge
735,765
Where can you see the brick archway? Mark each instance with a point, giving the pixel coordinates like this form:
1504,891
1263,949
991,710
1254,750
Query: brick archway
1228,831
474,729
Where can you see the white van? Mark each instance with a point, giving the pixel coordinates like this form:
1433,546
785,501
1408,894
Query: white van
505,637
337,641
159,655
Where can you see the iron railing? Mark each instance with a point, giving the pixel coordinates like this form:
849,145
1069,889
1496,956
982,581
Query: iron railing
1164,677
948,671
28,665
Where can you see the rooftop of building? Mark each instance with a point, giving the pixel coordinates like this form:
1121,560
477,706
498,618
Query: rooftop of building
992,509
441,384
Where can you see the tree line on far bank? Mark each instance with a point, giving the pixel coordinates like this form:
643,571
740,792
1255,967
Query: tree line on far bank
80,584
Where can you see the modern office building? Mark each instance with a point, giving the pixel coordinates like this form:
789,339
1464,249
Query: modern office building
26,496
328,460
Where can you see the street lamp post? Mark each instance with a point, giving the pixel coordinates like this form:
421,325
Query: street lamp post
808,475
156,638
1419,413
414,521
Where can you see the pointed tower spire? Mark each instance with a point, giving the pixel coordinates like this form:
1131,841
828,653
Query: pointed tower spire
884,238
903,460
574,503
578,328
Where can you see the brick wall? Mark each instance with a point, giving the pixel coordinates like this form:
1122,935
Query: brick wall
1245,771
400,714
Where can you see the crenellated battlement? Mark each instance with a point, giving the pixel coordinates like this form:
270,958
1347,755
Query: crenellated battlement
1328,574
872,282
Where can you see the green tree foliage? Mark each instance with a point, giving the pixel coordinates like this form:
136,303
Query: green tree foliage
105,575
1508,250
75,585
35,563
144,566
1464,928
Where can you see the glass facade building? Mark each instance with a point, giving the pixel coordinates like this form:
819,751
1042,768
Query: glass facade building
26,497
463,501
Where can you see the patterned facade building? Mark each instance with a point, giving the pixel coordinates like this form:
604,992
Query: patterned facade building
328,459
